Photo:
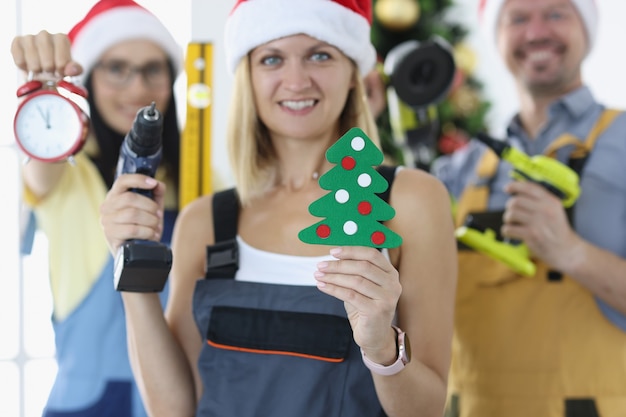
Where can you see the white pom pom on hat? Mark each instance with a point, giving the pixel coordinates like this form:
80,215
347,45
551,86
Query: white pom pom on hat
489,11
109,22
345,24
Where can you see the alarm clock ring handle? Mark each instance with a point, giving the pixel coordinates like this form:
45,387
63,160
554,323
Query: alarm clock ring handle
31,85
72,88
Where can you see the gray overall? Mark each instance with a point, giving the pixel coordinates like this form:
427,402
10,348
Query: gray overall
274,350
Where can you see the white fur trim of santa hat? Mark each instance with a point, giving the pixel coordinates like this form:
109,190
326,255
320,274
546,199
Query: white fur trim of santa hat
112,21
252,23
489,12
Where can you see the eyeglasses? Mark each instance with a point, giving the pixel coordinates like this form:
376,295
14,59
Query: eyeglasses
119,74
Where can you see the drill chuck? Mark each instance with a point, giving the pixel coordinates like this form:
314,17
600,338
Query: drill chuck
144,138
141,149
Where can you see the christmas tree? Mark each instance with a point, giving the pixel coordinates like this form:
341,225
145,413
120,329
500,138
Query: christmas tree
352,211
461,113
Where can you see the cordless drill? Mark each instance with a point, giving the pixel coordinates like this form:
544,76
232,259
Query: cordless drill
555,176
142,265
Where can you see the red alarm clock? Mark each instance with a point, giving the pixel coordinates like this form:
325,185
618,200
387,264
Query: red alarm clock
48,125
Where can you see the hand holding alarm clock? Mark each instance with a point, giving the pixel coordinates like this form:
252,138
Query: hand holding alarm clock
48,125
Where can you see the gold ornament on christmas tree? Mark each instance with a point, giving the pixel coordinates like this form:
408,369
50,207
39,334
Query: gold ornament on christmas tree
465,57
397,15
464,101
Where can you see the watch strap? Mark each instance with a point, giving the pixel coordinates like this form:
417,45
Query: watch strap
395,367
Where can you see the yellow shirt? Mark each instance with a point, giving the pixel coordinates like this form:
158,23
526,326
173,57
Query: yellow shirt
70,218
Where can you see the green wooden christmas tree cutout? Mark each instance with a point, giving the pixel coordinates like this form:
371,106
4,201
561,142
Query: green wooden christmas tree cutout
352,211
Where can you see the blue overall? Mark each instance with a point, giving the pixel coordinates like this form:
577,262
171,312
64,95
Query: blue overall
272,349
91,383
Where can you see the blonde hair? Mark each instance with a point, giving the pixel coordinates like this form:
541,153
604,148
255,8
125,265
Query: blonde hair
252,155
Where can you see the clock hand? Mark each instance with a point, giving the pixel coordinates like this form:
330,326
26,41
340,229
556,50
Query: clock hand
46,116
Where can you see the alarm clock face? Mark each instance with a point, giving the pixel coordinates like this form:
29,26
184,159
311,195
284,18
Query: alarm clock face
49,127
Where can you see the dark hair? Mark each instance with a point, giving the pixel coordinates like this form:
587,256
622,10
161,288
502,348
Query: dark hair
109,141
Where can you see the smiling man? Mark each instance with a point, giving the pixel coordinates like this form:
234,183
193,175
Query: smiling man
553,344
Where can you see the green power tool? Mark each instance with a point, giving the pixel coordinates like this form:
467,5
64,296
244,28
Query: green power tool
555,176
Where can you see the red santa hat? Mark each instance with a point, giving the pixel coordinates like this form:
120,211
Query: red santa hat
489,11
112,21
344,24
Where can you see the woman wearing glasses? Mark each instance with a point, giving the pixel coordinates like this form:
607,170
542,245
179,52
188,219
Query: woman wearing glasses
123,70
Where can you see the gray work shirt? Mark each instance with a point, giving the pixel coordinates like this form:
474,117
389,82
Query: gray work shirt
600,212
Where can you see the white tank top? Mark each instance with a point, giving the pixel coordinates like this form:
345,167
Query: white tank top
275,268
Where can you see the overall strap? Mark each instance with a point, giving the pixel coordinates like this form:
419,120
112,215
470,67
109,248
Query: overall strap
474,198
226,209
580,154
582,149
389,173
222,258
603,122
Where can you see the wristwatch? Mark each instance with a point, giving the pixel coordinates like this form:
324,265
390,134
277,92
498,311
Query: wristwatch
404,356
